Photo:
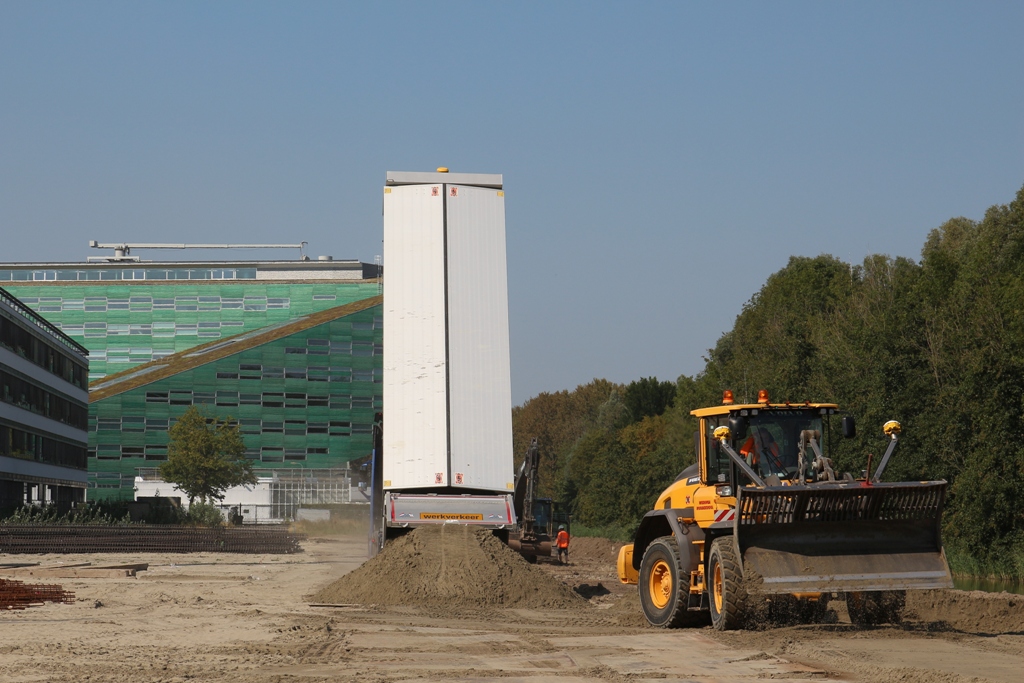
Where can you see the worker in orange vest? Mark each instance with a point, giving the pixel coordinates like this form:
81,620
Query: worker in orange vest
562,543
761,443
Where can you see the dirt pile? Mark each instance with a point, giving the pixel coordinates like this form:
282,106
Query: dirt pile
968,611
452,567
594,550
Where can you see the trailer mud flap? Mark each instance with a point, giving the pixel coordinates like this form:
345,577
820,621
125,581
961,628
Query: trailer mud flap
842,537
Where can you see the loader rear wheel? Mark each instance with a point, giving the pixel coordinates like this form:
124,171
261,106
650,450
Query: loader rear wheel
877,607
664,585
725,585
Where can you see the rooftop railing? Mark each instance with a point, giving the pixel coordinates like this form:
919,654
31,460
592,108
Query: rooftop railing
42,322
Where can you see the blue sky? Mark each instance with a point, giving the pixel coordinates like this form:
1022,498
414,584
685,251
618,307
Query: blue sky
660,159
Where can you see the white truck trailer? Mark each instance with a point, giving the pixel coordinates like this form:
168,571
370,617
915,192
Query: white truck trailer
446,447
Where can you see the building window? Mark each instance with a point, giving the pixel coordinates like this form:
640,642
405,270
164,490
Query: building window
227,398
163,330
273,399
250,371
250,399
156,452
268,454
156,397
133,423
250,426
339,428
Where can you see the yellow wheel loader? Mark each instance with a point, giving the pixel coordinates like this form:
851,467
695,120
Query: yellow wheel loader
762,519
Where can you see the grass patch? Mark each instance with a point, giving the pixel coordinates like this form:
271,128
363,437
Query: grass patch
1005,565
612,532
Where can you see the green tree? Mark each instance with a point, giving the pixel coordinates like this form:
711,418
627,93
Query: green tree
558,421
205,457
647,397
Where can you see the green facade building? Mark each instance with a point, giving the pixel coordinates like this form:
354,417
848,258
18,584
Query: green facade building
304,394
290,349
132,313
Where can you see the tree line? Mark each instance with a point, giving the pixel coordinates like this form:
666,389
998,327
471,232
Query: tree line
937,344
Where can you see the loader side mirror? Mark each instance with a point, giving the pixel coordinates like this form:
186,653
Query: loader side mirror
738,426
849,427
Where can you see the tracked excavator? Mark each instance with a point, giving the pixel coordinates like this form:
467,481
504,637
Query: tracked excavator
531,538
763,520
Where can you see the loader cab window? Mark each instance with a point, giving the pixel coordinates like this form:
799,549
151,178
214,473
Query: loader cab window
719,469
772,442
771,445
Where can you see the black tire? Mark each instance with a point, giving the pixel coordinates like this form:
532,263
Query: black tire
877,607
664,585
724,583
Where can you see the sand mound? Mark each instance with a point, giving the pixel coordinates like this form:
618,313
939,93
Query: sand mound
594,549
969,611
450,566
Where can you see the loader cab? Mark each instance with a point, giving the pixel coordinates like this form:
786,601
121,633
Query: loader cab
767,434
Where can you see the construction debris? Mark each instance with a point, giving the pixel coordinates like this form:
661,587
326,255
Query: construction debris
138,538
18,595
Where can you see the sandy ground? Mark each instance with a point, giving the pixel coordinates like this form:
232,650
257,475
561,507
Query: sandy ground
220,617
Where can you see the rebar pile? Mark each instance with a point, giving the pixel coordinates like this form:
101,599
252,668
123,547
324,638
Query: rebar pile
133,539
18,595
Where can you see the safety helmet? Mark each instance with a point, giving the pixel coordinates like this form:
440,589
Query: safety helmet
561,527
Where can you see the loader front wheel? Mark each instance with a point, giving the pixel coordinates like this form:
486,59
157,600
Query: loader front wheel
664,585
725,585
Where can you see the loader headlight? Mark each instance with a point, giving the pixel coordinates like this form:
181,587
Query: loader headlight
724,491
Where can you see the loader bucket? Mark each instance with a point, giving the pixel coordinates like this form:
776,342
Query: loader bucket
842,537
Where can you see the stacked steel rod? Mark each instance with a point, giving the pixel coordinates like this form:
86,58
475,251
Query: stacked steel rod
86,538
18,595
